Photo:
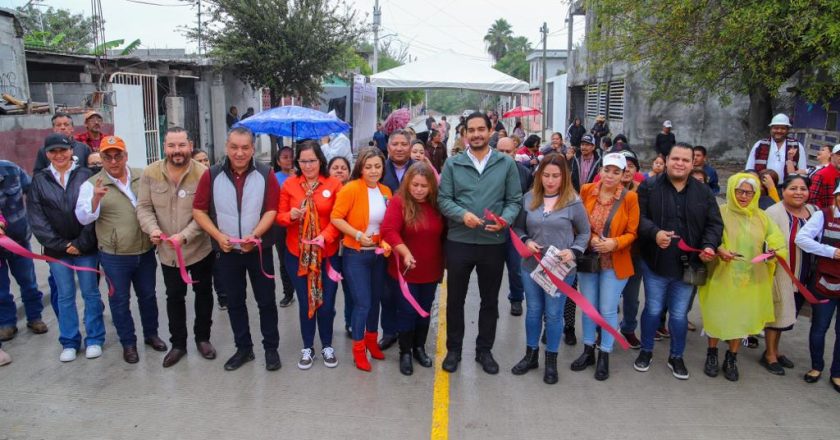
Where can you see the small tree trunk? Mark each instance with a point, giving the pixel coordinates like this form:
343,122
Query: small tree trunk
760,113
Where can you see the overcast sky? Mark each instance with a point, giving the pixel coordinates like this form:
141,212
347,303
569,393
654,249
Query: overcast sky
425,26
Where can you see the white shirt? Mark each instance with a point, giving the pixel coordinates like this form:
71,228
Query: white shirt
808,237
479,164
339,146
57,174
777,158
376,211
85,214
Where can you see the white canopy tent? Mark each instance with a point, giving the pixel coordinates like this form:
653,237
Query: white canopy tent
448,70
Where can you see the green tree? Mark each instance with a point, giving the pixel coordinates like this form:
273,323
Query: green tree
288,46
694,48
58,29
513,62
497,38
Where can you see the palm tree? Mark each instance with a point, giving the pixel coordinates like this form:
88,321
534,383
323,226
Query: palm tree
497,38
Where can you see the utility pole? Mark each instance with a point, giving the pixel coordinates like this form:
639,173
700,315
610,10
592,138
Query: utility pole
544,30
199,28
377,20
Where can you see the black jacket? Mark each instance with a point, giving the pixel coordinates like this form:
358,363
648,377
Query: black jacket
52,217
576,132
656,204
664,142
526,179
390,180
575,164
80,150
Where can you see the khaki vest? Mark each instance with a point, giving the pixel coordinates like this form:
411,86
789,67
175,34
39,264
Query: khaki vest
117,229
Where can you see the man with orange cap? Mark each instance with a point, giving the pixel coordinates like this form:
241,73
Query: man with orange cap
126,253
93,131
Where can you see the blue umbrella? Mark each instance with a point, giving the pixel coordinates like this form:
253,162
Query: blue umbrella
295,122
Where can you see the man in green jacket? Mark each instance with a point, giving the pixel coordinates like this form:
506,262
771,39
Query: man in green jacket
471,183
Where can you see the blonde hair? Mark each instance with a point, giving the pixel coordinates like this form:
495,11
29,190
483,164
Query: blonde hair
567,191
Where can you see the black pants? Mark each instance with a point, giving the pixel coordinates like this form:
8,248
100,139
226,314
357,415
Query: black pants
176,305
488,262
231,269
282,250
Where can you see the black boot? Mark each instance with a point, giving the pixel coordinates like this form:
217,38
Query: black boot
406,339
569,336
421,331
287,300
730,366
529,362
406,368
712,368
550,376
602,369
586,359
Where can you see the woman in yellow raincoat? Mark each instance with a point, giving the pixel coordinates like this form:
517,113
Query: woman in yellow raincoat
737,299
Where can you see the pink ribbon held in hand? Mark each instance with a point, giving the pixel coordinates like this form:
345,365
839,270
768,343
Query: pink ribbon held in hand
763,257
182,267
332,273
318,241
581,301
407,293
257,242
11,246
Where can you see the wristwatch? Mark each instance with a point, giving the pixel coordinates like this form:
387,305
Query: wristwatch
359,236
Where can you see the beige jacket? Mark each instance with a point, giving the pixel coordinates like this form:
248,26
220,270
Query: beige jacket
167,206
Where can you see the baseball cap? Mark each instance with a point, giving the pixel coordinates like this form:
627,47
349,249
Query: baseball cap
92,113
57,141
630,157
836,149
666,124
111,143
587,139
616,160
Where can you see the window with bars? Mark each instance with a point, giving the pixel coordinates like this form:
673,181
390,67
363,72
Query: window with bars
605,99
616,100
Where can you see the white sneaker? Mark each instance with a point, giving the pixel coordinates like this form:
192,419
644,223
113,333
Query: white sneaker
329,357
5,359
306,359
93,351
68,355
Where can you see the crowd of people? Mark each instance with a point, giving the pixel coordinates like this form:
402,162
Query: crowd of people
577,224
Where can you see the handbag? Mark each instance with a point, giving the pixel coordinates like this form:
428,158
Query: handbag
695,276
590,261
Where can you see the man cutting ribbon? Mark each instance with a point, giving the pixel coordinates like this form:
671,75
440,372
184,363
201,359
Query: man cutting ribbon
164,210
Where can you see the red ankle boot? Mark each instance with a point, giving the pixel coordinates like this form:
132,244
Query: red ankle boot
360,356
373,346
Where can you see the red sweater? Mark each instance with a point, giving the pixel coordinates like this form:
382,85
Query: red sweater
424,240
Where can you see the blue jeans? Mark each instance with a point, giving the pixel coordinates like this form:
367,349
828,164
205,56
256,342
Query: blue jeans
141,272
23,269
68,322
337,264
539,304
660,291
603,290
820,322
324,315
513,261
365,273
630,299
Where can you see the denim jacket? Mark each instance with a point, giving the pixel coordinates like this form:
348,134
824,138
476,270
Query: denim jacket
14,182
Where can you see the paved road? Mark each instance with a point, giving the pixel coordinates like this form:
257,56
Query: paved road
107,398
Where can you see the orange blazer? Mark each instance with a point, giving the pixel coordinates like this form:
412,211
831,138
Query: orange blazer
352,206
292,195
623,228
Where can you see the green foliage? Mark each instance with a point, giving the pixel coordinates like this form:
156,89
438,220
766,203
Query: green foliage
722,47
497,38
57,29
289,46
513,62
453,102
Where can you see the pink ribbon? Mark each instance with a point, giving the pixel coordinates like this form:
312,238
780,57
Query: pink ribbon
182,266
581,301
257,242
763,257
407,293
318,241
332,273
11,246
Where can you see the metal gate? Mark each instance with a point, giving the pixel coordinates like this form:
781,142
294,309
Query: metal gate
150,109
191,118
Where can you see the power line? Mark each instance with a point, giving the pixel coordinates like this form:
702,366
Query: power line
142,2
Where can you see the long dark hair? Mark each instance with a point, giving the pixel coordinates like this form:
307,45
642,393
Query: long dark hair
274,165
310,144
364,155
567,191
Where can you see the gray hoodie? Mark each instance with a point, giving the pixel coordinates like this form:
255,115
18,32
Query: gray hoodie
565,228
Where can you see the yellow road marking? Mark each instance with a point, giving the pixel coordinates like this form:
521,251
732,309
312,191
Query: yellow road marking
440,398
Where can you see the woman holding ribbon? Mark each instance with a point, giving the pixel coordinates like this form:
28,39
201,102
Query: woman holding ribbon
306,200
415,228
358,213
821,237
552,216
737,299
790,216
50,204
614,216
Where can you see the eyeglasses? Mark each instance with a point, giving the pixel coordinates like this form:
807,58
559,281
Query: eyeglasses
115,158
308,162
743,192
